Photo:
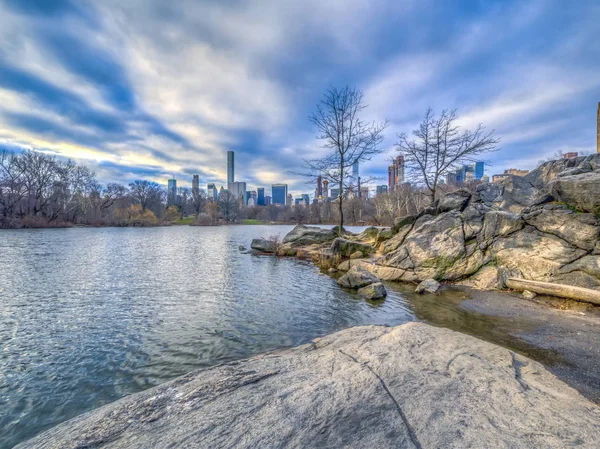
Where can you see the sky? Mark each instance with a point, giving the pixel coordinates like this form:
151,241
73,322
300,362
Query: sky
149,89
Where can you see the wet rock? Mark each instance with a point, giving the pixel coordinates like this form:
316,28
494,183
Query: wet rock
308,235
373,291
263,245
242,248
428,286
332,270
357,277
404,387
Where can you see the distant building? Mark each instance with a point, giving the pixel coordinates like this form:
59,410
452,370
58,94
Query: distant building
267,200
171,192
251,202
319,189
364,193
570,155
467,172
485,179
335,193
325,190
279,193
396,174
451,178
230,168
306,198
195,185
238,189
261,196
212,192
355,170
289,200
516,172
497,178
297,201
381,189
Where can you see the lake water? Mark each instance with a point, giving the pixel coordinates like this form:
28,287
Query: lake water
88,316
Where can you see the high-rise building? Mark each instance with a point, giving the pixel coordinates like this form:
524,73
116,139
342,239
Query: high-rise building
260,196
325,190
230,168
355,170
267,200
279,193
195,185
212,192
238,189
396,174
289,200
171,192
306,198
381,189
319,191
598,130
364,193
478,168
570,155
335,193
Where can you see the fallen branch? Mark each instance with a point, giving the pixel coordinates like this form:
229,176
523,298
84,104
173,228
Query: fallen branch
561,290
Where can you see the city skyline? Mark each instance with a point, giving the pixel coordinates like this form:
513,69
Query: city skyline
131,103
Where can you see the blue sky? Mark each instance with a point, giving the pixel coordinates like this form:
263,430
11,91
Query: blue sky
151,88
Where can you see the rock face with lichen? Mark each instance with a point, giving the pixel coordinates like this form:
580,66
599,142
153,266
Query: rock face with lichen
412,386
544,226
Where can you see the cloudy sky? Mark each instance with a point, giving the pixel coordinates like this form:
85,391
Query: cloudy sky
144,89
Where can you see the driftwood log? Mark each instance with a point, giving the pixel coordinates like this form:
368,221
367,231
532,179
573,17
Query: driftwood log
561,290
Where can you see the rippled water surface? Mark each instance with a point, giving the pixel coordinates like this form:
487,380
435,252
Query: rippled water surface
90,315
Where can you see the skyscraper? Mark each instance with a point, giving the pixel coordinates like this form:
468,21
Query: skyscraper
319,192
238,189
279,193
230,168
267,200
381,189
325,190
212,192
195,185
355,170
396,174
261,196
306,198
289,200
171,192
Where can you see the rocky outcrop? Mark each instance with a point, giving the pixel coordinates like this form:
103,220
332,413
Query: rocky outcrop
346,248
412,386
263,245
357,277
308,235
515,228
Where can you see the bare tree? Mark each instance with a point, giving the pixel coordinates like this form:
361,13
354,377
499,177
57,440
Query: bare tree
198,200
146,193
439,146
229,205
347,139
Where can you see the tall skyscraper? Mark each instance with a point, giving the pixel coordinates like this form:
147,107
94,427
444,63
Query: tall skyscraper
171,192
195,185
306,198
212,192
279,193
325,190
261,196
230,168
239,190
319,191
289,200
267,200
355,170
335,193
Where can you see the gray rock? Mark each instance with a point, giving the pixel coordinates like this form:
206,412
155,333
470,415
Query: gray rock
580,191
308,235
357,277
263,245
332,270
373,291
242,248
454,201
410,386
345,247
428,286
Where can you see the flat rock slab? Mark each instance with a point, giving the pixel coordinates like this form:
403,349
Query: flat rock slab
412,386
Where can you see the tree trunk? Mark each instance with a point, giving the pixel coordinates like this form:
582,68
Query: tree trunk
561,290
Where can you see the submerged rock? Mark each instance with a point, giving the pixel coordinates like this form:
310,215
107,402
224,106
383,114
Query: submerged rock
410,386
373,291
263,245
428,286
357,277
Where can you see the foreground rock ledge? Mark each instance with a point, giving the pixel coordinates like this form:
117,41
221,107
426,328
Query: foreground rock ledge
404,387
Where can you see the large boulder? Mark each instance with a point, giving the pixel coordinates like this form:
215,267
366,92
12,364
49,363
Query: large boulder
404,387
581,191
346,248
454,201
263,245
308,235
357,277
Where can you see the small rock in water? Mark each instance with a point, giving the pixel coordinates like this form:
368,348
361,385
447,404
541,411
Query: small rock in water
357,277
242,248
332,270
373,291
356,255
428,285
529,295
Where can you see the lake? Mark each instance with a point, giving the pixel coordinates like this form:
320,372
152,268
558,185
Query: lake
89,315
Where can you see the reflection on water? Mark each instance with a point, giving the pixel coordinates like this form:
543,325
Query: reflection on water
88,316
